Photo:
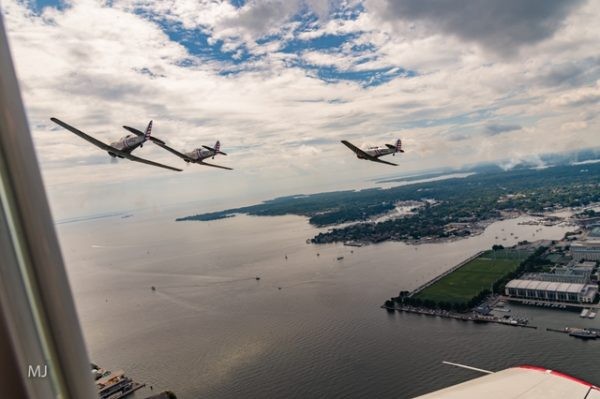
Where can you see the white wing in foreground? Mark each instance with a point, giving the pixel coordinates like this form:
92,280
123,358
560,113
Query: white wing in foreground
523,382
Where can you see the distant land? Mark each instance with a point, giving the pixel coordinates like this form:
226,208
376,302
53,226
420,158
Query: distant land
442,209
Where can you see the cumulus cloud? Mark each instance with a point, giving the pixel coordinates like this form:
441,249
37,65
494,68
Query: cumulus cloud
499,26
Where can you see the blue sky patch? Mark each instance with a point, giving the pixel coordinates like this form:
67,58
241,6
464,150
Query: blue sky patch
198,43
39,5
325,42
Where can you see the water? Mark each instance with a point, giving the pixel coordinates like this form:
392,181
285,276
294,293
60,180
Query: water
311,327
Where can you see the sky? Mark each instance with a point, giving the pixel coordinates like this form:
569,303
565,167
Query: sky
280,83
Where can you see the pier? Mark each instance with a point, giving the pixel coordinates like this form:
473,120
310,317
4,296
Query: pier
474,317
582,333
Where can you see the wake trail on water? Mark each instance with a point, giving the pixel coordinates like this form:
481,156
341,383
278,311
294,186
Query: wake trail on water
180,302
206,284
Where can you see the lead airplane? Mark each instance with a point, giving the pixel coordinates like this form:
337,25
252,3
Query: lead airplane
522,382
121,148
197,155
373,153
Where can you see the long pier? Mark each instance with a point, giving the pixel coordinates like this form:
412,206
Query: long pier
447,272
460,316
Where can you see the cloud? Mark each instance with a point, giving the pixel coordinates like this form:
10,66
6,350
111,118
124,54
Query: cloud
495,129
571,126
312,76
499,26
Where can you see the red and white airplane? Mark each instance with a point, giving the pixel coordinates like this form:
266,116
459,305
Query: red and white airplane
373,153
197,155
522,382
123,147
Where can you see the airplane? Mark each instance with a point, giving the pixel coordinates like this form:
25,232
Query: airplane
195,156
121,148
521,382
373,153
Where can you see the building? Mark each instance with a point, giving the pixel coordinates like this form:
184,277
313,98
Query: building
587,250
595,233
552,291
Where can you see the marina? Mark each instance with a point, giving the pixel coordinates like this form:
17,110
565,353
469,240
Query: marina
113,384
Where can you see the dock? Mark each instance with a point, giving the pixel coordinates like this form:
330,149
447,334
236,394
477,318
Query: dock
473,316
114,384
582,333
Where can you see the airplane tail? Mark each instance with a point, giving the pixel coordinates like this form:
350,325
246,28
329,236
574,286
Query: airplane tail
218,148
399,146
396,148
148,131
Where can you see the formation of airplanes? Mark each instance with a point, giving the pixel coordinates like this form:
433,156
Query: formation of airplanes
123,148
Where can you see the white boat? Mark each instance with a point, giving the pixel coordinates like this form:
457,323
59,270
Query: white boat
591,315
584,313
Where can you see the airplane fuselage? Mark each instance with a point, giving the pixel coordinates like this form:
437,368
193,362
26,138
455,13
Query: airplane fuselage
200,154
127,144
377,152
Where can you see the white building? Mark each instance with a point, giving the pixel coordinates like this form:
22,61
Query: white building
587,250
551,291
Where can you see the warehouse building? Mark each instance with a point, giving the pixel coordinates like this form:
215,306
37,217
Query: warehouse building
586,250
552,291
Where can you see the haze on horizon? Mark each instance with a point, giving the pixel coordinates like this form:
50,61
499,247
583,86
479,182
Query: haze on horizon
281,82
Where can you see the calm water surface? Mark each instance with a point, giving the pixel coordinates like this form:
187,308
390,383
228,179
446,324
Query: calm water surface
311,327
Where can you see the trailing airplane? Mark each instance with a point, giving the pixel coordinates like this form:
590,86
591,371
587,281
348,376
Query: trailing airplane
522,382
373,153
195,156
121,148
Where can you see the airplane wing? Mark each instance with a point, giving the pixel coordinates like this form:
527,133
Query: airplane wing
147,162
381,161
173,151
360,152
109,148
355,149
523,382
214,166
84,136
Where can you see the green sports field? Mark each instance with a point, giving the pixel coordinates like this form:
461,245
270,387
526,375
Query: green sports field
469,280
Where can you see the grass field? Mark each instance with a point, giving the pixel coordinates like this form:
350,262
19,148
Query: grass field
473,277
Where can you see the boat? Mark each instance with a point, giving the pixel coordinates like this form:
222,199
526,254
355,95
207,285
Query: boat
584,313
113,384
353,244
591,314
583,333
